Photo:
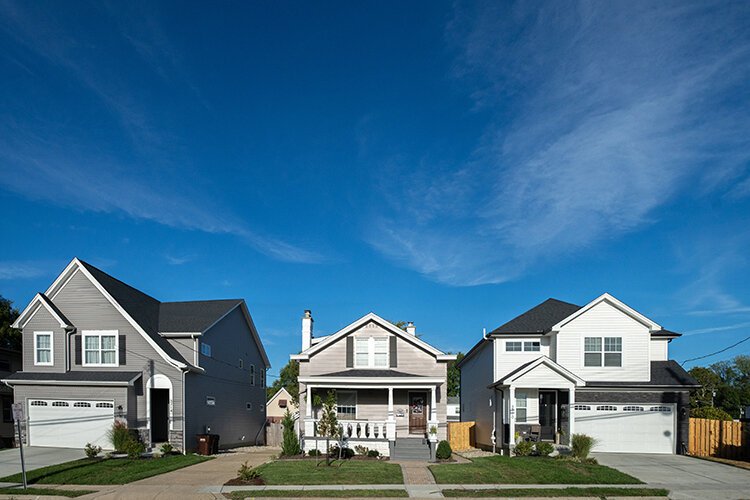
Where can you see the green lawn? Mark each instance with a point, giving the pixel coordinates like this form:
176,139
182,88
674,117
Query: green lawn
558,492
239,495
528,470
106,471
339,472
43,491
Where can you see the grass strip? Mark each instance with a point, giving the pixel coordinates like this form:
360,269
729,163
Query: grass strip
238,495
339,472
44,491
559,492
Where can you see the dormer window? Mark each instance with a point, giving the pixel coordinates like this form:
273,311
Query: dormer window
602,351
371,352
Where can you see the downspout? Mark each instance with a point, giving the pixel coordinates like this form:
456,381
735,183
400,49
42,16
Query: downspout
184,420
68,333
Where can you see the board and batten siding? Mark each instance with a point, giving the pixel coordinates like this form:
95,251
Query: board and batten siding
477,373
43,321
605,320
85,306
231,341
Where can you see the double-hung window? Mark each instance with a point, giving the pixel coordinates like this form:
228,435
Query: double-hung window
100,348
43,355
346,405
371,352
602,351
521,406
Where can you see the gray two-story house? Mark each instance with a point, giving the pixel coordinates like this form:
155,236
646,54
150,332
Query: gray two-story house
96,350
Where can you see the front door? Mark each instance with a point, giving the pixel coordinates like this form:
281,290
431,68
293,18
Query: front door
159,415
417,413
547,414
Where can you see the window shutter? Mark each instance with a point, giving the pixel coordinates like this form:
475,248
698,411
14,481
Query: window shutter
122,349
393,355
350,352
78,353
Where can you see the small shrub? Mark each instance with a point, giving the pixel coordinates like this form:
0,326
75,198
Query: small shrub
346,453
523,449
119,435
134,448
314,453
290,442
544,449
373,453
92,450
443,451
710,412
581,445
361,450
166,449
247,473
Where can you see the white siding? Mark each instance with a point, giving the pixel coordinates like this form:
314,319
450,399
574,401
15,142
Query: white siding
659,349
506,362
542,376
605,320
476,375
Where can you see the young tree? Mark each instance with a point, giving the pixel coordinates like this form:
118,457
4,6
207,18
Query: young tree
290,442
288,378
10,338
454,376
328,425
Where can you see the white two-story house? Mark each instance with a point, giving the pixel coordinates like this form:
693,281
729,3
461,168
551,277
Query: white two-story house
390,387
560,369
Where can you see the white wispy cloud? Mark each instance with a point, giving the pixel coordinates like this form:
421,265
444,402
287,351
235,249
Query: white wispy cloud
178,260
601,114
715,329
15,270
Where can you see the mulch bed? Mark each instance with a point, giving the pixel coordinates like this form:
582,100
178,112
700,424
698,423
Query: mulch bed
258,481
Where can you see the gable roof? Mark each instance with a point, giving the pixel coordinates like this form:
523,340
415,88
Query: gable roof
281,392
541,360
193,316
612,301
413,339
538,319
43,301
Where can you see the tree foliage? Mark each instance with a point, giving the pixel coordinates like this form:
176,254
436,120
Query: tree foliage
454,376
328,425
290,442
726,384
287,379
10,338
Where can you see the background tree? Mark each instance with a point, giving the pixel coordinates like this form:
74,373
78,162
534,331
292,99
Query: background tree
730,380
709,381
10,338
288,378
454,376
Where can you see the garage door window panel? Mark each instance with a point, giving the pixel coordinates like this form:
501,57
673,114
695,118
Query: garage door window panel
100,348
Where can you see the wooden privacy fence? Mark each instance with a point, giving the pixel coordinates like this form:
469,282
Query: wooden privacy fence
461,435
717,438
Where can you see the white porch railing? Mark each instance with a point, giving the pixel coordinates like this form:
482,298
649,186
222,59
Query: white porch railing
359,429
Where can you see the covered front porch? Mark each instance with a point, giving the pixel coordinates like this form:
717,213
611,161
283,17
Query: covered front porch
533,404
376,414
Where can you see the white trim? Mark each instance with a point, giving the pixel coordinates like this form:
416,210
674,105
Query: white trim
387,325
51,348
180,334
602,351
78,383
578,381
75,263
605,297
159,381
22,320
371,351
100,334
278,393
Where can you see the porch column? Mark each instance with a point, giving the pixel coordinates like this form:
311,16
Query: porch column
571,413
433,406
390,403
390,424
511,418
309,423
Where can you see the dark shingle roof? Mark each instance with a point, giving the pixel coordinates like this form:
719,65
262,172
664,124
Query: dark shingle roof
54,308
77,376
369,373
663,373
151,314
539,319
665,333
193,316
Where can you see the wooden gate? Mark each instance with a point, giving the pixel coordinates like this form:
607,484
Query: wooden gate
274,434
461,435
717,438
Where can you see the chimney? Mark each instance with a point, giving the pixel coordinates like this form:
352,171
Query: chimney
410,328
307,329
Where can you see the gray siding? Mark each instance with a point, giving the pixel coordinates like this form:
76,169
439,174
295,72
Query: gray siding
85,306
230,340
476,375
42,321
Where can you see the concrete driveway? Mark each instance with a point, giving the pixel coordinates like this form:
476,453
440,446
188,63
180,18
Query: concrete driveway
36,457
685,477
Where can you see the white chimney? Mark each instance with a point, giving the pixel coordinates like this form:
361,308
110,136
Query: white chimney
307,329
410,328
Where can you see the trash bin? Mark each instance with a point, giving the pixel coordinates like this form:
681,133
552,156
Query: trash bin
208,444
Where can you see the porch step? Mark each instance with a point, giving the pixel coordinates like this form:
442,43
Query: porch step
411,449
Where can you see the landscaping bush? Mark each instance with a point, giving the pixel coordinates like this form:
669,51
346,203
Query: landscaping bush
247,473
290,442
710,412
166,449
443,451
92,450
347,453
119,435
314,453
544,449
523,449
134,448
361,450
373,453
581,445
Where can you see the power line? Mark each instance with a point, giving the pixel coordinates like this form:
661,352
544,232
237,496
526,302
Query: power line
717,352
217,359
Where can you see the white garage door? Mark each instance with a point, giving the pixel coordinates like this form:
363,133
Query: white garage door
70,423
627,428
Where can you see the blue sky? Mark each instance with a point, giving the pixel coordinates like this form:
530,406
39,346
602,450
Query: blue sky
452,164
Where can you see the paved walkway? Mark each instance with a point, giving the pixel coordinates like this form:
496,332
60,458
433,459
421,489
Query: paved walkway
418,480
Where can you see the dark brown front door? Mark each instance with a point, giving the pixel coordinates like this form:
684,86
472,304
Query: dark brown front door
417,412
547,414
